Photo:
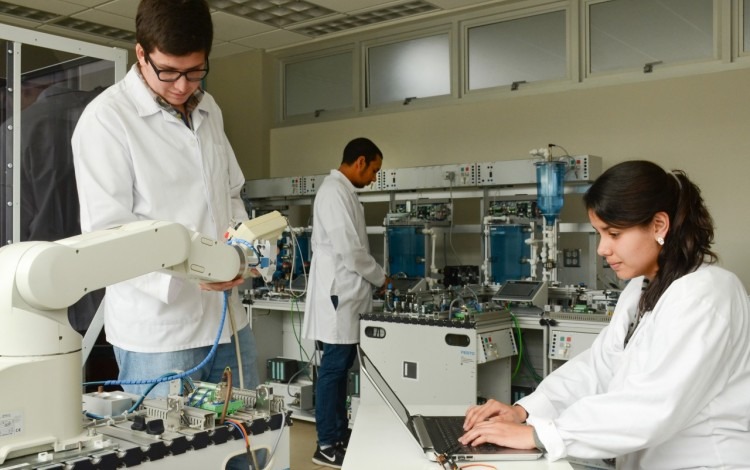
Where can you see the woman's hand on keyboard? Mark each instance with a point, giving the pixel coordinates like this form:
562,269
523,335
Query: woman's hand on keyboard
495,410
502,433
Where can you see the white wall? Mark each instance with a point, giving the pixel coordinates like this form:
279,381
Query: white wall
699,124
241,87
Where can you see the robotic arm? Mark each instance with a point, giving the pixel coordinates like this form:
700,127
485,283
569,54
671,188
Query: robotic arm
40,354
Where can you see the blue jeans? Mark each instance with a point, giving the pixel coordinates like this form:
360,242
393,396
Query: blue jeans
331,421
142,366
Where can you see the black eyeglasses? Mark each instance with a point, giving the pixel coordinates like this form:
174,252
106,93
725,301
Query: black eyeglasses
194,75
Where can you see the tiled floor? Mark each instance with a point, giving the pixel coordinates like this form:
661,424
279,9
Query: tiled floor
303,440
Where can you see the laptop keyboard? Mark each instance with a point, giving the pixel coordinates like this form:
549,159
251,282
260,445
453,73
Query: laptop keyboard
450,428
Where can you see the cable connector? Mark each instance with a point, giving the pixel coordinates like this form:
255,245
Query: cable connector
445,461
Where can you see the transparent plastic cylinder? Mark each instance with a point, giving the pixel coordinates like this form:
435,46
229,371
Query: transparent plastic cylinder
550,177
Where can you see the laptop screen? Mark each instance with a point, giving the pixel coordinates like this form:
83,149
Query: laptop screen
385,390
429,444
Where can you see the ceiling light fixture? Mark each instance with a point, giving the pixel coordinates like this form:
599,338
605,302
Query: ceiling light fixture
277,13
26,13
411,8
96,28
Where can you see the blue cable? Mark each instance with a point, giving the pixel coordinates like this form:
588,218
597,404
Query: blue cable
193,396
237,426
171,376
148,390
203,398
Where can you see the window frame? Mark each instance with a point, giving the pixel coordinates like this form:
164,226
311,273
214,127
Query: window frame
738,24
438,30
728,55
571,74
307,57
685,65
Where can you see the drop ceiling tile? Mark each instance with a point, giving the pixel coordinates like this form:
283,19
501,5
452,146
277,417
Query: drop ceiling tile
272,39
52,6
230,27
345,6
89,3
225,49
452,4
106,19
126,8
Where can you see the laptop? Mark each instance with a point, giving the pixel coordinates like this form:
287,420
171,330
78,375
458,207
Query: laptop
438,435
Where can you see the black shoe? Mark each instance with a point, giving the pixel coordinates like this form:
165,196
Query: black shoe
330,457
344,443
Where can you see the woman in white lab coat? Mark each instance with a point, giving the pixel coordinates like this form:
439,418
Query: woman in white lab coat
667,384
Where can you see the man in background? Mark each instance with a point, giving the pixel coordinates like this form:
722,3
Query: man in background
342,277
49,199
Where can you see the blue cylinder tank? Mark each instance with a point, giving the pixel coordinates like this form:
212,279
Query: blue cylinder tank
550,177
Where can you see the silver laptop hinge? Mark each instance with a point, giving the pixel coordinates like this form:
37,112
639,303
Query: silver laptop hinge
422,434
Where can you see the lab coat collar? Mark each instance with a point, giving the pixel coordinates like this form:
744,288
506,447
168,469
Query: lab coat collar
144,99
348,184
140,94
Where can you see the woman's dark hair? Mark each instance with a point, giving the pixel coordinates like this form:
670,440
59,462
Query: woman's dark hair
175,27
629,194
358,147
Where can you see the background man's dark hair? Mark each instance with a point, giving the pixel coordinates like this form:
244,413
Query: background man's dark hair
175,27
361,146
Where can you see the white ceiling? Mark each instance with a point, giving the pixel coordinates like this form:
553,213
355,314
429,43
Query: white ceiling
232,34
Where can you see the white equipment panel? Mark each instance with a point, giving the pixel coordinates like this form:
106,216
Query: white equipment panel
496,344
571,334
441,365
458,175
565,345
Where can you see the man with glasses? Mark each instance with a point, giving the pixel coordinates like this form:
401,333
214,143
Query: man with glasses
152,147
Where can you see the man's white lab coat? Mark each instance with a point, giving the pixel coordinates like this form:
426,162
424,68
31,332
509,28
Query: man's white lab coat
341,265
135,161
